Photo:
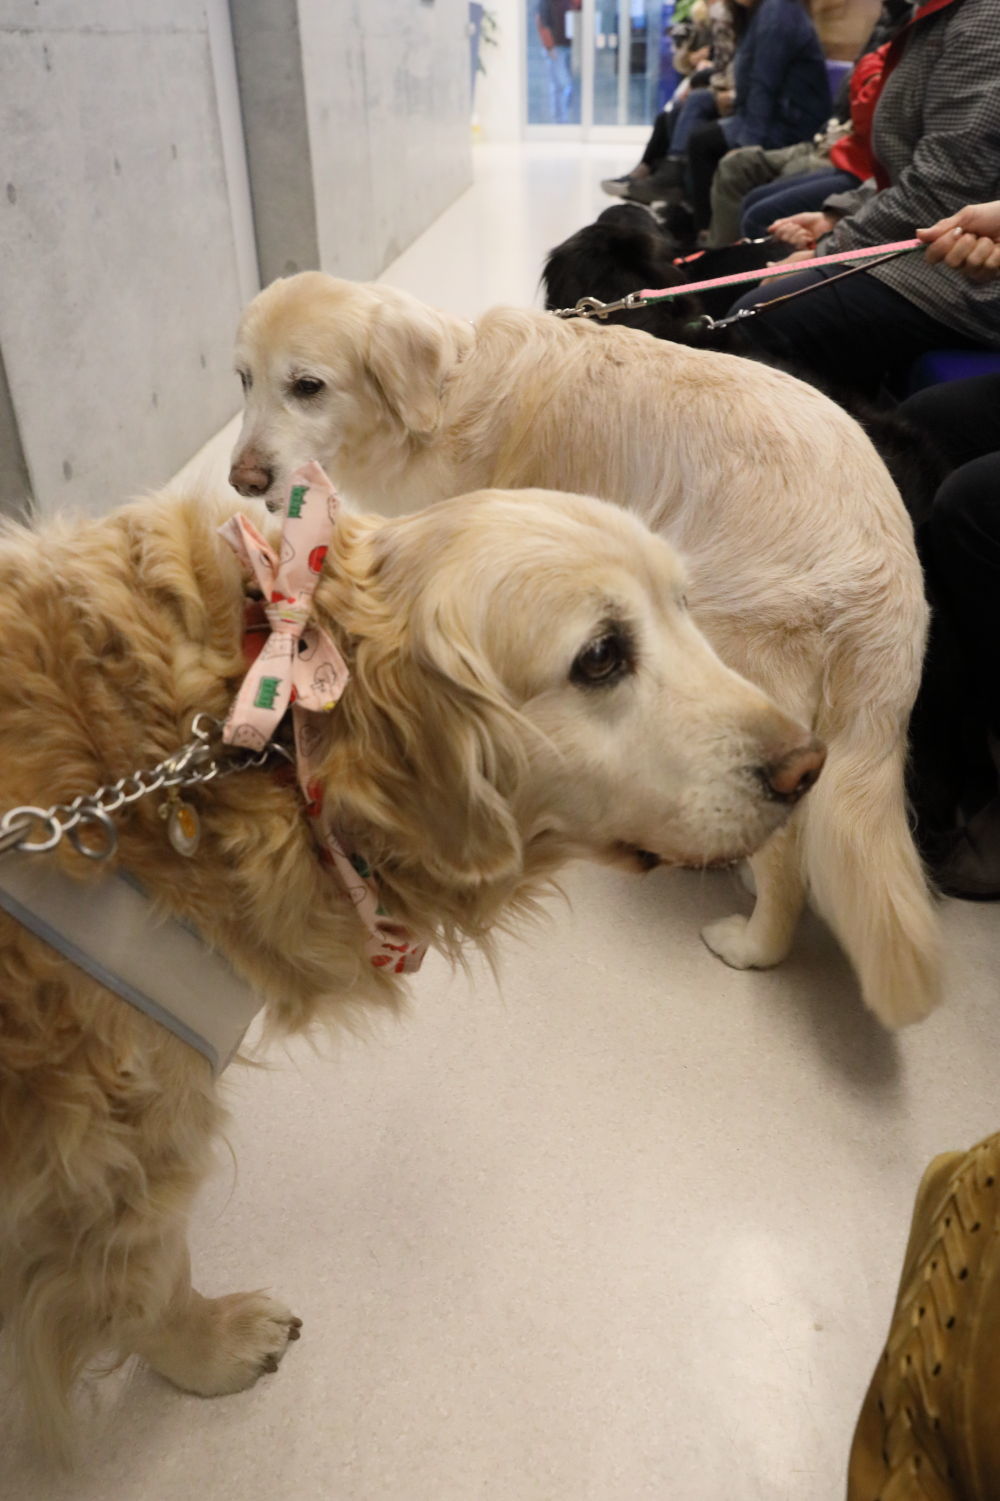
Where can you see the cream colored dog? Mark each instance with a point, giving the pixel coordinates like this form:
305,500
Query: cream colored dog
527,685
803,571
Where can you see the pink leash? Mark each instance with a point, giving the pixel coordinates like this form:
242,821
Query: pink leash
873,255
781,269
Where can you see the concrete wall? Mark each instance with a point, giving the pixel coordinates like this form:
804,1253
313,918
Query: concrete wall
127,240
357,121
15,483
119,285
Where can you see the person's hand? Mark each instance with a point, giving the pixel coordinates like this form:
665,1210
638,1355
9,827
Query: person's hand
546,38
969,241
801,230
792,260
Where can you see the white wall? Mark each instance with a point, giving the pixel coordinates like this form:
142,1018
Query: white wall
499,102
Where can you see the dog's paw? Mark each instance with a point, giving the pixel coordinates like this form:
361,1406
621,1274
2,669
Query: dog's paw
733,940
227,1345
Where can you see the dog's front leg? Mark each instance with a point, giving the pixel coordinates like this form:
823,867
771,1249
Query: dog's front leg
764,938
213,1346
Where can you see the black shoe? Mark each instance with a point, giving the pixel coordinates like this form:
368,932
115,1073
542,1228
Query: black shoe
664,185
617,187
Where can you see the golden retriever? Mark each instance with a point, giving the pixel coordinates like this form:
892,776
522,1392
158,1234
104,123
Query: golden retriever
527,685
803,570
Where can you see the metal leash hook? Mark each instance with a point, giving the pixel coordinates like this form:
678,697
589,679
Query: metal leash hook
593,307
710,324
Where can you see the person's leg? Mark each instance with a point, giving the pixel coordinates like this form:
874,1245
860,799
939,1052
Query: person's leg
850,334
962,416
698,109
706,148
953,777
665,181
960,546
552,74
660,137
790,195
565,74
737,174
560,83
656,148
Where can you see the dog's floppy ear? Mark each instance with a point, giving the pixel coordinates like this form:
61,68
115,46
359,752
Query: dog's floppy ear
432,758
411,348
469,767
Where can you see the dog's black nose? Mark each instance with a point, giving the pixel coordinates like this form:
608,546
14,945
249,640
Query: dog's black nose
251,479
793,773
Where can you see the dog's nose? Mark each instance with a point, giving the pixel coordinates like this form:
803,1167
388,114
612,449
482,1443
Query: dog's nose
793,772
251,479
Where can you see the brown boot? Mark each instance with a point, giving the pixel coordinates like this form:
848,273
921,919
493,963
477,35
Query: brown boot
929,1429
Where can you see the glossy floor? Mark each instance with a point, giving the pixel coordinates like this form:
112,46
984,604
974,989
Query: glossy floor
625,1225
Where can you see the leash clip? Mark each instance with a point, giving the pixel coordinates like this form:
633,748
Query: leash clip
593,307
710,324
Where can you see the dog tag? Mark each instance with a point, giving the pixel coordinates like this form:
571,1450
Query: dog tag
183,827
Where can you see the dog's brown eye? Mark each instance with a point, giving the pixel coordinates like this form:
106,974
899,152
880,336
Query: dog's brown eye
602,661
306,385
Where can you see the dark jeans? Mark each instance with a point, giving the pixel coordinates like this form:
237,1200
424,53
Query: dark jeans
790,195
706,148
854,334
672,127
660,137
962,416
959,700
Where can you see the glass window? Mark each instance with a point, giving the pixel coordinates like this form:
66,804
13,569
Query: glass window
628,58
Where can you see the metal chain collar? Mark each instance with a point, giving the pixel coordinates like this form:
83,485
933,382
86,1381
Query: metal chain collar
90,813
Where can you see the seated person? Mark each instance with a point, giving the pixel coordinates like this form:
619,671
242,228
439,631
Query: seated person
704,54
782,95
842,147
929,156
842,161
782,92
955,726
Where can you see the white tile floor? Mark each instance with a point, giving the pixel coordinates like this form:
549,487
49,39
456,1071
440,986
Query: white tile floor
627,1227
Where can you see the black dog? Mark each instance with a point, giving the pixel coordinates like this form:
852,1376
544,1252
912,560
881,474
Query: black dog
625,251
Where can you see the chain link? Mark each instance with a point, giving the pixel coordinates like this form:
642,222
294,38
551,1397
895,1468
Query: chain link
90,813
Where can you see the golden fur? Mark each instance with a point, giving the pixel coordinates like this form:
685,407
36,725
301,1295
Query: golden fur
803,571
467,760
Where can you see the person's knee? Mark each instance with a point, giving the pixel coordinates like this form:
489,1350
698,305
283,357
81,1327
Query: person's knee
966,512
755,219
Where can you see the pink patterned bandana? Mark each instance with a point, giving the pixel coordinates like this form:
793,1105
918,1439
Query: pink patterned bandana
299,665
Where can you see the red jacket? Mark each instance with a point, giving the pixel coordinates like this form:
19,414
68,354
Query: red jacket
852,153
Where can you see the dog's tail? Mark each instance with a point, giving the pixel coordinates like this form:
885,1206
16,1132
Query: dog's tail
864,872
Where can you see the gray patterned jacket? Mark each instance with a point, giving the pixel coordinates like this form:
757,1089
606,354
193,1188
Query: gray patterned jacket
937,135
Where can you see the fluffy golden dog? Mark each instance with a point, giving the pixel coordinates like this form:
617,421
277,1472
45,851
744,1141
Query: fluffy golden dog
803,570
527,685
